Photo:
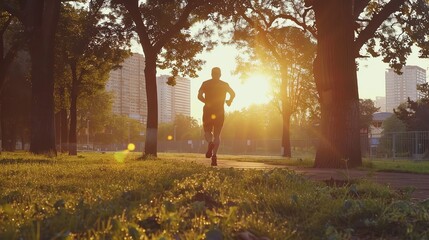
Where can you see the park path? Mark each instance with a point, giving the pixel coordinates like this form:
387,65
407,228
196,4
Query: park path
397,181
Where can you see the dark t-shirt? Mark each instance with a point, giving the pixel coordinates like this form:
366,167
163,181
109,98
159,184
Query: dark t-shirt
214,94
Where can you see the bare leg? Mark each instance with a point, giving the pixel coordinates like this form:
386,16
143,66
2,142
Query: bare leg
216,141
208,136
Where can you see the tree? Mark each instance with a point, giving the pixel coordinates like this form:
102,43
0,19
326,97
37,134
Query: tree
95,111
15,107
393,124
285,50
11,41
182,128
121,130
91,47
163,29
342,28
40,19
415,114
367,109
8,49
186,128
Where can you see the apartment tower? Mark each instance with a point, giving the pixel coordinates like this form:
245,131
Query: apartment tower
128,86
401,87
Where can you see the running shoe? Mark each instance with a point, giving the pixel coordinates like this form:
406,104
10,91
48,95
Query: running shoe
214,160
210,150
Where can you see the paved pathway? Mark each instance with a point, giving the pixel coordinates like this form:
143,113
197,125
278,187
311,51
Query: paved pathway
419,182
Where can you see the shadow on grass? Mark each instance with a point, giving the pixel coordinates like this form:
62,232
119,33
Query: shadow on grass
26,161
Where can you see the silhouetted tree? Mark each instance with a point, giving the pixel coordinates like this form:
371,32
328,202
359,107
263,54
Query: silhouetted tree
367,109
39,19
15,107
342,29
415,114
91,46
284,50
11,42
163,29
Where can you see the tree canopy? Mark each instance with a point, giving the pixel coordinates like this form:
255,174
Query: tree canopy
415,114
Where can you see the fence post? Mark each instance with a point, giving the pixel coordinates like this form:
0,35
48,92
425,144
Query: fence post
394,145
416,142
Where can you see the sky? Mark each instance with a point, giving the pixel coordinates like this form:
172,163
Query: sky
371,79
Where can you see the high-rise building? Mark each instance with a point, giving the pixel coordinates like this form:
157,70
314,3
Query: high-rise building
380,102
128,86
173,100
401,87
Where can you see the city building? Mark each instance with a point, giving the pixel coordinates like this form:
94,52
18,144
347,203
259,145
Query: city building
380,102
128,86
173,100
401,87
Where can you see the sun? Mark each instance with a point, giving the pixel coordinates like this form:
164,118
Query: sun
253,90
258,87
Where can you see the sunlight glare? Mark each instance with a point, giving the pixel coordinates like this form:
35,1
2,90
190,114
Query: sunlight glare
131,147
120,156
253,90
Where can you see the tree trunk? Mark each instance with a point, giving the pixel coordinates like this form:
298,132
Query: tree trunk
286,135
8,133
286,114
336,80
42,22
73,112
64,143
61,129
152,106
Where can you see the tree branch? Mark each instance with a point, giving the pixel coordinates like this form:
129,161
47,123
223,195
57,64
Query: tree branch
13,11
177,27
293,19
359,6
263,34
375,23
6,24
133,8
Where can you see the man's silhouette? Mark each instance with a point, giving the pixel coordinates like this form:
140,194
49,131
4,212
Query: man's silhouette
213,94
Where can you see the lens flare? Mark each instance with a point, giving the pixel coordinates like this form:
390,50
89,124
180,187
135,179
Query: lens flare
121,156
213,116
131,147
169,137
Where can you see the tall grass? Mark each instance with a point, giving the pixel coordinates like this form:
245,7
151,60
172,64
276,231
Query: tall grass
98,196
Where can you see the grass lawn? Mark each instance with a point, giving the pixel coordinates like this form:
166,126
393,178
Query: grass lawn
115,196
306,160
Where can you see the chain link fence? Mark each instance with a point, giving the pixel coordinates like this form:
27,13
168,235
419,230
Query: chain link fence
394,145
407,145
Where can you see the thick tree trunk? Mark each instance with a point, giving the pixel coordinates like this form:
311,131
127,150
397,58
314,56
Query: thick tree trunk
152,106
287,152
61,130
286,113
336,80
42,22
73,112
6,61
64,143
8,133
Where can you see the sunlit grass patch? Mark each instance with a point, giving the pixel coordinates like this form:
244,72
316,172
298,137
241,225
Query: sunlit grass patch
93,196
390,165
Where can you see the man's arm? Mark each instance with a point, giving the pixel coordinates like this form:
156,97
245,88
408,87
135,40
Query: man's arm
231,96
201,95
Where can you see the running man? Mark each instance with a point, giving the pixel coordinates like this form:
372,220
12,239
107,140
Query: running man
213,94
